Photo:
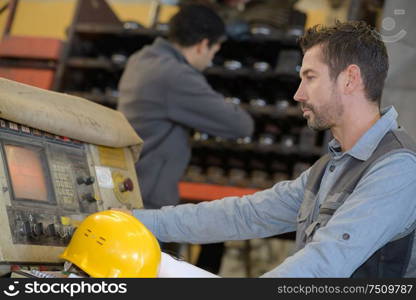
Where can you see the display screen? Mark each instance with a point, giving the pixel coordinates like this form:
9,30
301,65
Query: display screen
27,174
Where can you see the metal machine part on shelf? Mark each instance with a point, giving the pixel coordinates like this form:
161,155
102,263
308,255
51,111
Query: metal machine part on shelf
233,65
51,179
261,66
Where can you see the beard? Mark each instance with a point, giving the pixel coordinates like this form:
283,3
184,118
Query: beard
324,116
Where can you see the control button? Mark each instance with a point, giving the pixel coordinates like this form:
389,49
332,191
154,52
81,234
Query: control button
50,230
65,233
89,197
62,232
71,231
25,228
37,229
126,185
89,180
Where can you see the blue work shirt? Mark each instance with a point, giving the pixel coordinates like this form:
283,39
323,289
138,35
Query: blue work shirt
381,207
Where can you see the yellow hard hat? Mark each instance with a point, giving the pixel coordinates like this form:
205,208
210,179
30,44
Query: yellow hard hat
114,244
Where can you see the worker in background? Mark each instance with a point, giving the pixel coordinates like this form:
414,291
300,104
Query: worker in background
354,210
164,95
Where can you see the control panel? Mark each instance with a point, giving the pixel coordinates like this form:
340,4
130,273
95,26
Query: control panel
49,184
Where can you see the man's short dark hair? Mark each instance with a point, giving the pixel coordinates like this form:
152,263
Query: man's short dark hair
195,22
349,43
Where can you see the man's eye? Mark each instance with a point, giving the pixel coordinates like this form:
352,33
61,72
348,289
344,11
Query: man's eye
310,77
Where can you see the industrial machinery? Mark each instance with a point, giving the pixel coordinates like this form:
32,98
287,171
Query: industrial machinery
61,159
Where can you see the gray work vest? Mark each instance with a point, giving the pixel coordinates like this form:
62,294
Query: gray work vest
394,259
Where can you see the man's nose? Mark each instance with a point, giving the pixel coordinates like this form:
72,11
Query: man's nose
300,94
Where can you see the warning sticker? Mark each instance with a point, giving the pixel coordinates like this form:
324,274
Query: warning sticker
104,178
112,157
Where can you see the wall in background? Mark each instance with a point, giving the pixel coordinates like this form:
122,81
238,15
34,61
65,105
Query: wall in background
51,18
398,32
45,18
3,17
320,11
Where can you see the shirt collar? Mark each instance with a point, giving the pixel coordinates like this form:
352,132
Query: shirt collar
167,47
366,145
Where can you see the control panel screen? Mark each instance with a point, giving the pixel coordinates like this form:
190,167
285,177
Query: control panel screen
27,174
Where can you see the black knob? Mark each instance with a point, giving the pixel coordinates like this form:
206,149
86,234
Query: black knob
71,231
37,229
26,228
50,230
89,197
66,234
89,180
62,233
80,180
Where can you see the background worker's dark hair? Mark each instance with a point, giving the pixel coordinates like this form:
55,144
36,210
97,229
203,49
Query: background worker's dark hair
349,43
195,22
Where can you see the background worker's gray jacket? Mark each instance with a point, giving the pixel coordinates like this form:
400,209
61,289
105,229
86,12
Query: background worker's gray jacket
163,97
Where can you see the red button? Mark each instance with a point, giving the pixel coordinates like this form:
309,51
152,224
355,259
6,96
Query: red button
128,184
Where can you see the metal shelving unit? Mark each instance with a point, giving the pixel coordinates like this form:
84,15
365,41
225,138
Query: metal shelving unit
95,55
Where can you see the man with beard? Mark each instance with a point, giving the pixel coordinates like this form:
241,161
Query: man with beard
353,211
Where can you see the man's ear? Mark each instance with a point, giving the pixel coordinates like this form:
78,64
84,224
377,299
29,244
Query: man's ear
351,79
202,46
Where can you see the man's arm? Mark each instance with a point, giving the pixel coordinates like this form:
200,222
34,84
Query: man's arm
382,206
193,103
265,213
